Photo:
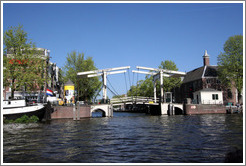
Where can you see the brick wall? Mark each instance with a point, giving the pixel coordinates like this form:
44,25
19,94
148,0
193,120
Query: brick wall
63,112
204,109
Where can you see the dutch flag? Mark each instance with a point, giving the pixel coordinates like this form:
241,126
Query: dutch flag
49,92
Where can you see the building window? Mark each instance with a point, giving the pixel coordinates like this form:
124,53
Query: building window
208,81
215,96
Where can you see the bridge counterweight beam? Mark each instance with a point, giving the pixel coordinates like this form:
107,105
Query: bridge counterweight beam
104,74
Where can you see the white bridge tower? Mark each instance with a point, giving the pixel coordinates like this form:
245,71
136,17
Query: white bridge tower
159,74
103,73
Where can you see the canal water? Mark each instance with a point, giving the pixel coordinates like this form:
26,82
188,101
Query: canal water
125,138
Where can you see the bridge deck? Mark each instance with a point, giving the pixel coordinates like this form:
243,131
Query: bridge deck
134,99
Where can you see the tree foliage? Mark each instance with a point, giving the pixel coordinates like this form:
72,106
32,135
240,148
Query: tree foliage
146,87
143,88
230,63
169,82
23,64
118,96
86,87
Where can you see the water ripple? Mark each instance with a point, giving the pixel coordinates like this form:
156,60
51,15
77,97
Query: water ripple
125,138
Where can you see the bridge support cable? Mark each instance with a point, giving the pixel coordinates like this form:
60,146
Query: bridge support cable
125,82
137,87
159,74
129,77
112,91
133,79
132,85
98,92
115,92
103,73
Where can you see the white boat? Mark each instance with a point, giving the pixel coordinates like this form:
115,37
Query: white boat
13,109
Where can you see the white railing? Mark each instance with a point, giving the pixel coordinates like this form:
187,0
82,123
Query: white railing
133,99
194,101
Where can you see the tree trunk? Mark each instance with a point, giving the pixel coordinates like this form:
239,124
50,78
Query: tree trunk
12,93
239,96
13,89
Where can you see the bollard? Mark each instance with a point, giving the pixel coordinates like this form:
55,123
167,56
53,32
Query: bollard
173,113
78,111
74,112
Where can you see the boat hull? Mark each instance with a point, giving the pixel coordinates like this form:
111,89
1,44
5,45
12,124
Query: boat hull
17,112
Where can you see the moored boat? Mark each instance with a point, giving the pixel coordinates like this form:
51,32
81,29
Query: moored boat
13,109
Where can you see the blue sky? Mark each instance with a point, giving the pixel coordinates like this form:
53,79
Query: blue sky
129,34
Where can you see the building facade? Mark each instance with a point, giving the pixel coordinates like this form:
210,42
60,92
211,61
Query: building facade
208,96
52,82
201,78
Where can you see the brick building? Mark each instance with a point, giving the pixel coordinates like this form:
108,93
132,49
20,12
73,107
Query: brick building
53,81
201,78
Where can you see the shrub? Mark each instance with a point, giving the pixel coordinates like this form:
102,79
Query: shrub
23,119
33,119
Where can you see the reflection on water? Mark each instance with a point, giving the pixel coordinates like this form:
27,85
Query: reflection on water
125,138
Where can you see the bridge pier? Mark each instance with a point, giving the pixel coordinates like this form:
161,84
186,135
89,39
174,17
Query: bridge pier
171,108
161,109
164,108
106,109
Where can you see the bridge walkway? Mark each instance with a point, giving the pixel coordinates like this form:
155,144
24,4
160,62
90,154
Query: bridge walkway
166,108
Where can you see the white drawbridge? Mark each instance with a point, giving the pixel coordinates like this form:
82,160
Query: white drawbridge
159,74
107,109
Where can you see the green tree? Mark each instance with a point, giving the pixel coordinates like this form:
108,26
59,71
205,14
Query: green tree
118,96
23,64
86,87
143,88
230,63
146,87
133,91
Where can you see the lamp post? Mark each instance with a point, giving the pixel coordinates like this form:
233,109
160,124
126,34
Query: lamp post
47,54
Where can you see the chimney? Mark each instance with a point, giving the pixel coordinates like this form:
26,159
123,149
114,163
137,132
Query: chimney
206,59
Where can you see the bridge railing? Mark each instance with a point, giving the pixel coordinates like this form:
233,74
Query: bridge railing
70,104
133,99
